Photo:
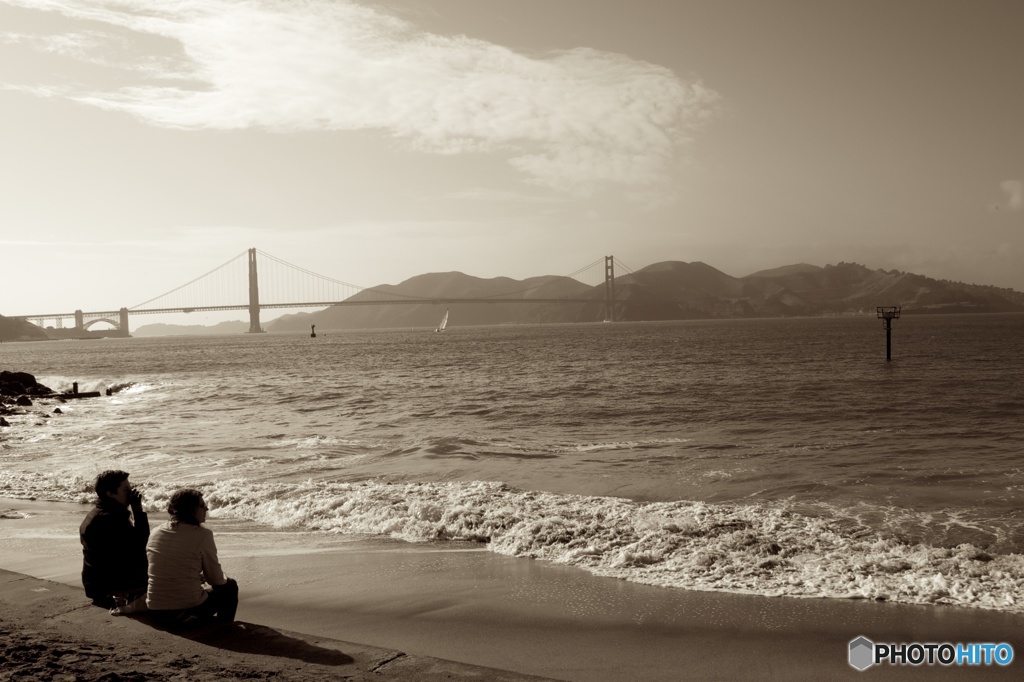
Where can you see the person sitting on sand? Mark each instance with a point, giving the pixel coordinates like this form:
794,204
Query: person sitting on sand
182,556
114,543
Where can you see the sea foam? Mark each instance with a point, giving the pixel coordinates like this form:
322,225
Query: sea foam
758,549
767,549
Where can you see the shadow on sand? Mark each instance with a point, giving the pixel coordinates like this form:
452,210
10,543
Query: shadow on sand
251,638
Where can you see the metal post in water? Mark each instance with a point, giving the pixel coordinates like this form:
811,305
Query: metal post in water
888,313
888,338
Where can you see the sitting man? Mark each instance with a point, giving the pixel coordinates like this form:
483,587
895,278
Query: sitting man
114,567
183,556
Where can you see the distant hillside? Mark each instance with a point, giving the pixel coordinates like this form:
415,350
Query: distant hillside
787,270
669,290
849,287
19,330
452,285
230,327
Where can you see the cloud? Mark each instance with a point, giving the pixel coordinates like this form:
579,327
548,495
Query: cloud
1014,190
488,195
574,120
73,45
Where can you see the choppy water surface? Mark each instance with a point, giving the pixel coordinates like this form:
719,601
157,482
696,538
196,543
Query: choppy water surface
764,456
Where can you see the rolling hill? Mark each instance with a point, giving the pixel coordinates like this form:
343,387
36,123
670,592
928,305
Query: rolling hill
453,285
19,330
669,290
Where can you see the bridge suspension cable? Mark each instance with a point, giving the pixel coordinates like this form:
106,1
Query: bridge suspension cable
586,267
265,281
191,282
620,264
354,288
283,284
308,272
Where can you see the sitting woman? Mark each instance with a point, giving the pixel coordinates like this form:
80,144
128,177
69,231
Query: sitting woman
182,556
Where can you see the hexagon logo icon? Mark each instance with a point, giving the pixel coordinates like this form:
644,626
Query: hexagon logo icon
862,653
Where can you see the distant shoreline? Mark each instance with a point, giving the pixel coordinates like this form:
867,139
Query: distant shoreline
325,330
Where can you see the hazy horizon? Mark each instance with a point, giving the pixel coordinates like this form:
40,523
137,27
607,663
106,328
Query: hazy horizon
375,141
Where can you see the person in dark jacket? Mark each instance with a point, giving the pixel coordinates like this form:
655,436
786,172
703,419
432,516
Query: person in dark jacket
114,567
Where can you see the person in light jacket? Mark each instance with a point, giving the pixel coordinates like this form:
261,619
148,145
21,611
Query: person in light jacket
182,557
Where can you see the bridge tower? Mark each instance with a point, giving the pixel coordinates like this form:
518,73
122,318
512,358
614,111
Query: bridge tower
609,288
123,319
254,296
79,320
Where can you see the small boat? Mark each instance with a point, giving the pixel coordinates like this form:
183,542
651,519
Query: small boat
444,322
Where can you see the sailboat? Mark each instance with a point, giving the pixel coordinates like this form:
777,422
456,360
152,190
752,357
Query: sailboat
444,322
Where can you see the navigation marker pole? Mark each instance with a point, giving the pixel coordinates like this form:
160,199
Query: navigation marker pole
888,313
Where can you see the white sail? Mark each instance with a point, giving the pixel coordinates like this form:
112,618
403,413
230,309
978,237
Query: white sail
444,322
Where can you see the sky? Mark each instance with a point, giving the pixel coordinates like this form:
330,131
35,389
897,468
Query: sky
144,143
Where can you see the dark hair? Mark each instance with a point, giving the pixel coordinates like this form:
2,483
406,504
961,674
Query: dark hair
109,481
184,504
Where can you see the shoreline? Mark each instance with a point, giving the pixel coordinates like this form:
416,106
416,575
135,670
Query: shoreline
462,603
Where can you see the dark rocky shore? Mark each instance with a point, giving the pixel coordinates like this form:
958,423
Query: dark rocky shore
17,391
20,391
21,384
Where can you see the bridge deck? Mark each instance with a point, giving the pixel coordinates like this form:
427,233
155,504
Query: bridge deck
307,304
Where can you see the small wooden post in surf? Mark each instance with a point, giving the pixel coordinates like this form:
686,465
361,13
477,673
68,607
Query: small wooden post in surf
312,331
888,313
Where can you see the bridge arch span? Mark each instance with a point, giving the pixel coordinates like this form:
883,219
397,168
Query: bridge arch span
112,323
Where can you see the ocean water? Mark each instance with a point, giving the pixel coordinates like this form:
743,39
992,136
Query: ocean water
776,457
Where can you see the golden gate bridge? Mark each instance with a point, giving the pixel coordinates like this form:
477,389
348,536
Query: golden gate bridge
285,285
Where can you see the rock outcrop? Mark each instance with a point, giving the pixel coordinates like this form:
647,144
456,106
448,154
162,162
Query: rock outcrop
17,390
21,383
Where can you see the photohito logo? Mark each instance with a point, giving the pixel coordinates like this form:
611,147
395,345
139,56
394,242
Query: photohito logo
864,653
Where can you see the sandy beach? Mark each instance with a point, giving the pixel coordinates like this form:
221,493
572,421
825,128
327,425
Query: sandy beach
446,612
48,633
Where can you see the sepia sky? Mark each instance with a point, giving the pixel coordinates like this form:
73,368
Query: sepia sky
144,143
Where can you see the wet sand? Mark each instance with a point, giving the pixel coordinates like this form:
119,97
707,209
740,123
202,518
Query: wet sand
461,603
